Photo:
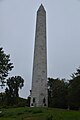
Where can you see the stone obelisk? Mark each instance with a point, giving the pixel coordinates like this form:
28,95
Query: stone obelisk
39,93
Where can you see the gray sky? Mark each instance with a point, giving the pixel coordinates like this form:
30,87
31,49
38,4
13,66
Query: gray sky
17,35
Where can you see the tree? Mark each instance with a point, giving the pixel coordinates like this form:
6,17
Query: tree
5,66
57,93
74,90
14,84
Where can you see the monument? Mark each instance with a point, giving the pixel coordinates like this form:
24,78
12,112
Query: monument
39,92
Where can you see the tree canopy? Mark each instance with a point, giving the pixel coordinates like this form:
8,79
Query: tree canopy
74,90
14,84
5,66
12,91
57,91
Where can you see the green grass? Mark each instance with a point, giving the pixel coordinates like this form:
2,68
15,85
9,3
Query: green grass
38,114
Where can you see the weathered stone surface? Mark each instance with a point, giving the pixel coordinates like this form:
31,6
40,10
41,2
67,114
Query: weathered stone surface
39,94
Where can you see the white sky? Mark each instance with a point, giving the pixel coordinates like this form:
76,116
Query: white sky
17,35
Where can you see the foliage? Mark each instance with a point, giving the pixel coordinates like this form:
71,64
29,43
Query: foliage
28,101
21,102
74,91
57,93
62,94
76,74
5,66
14,84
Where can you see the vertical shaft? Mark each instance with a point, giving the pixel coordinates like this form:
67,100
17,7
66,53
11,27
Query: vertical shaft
39,93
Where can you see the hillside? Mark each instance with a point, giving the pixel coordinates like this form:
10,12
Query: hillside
38,114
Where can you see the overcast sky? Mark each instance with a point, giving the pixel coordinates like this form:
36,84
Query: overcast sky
17,35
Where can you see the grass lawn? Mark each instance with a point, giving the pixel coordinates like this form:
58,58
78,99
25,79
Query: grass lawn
38,114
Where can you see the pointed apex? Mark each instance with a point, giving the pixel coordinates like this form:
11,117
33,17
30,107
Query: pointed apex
41,8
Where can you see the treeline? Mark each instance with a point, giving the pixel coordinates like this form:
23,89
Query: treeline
61,93
65,94
10,97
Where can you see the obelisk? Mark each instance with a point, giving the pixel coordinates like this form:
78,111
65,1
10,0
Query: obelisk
39,92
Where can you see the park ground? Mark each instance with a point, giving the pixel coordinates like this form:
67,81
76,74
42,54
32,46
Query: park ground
25,113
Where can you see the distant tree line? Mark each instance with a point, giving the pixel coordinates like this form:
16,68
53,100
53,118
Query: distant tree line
61,93
65,94
11,95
